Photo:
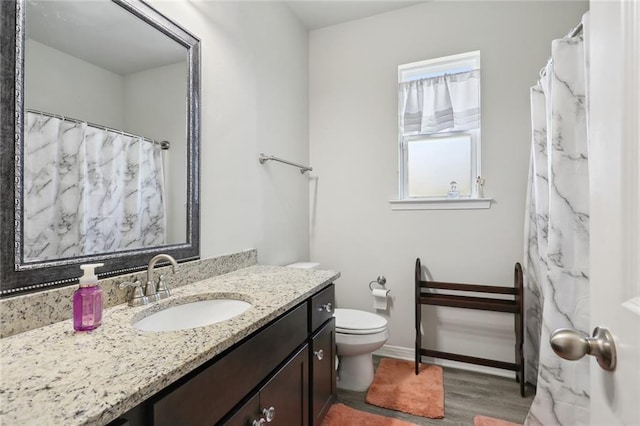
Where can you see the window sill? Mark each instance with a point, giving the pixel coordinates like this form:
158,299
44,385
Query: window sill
441,204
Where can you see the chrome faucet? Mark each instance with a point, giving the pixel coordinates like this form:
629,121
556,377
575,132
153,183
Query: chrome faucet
152,292
158,291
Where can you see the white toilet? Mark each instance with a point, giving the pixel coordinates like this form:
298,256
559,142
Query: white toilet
358,335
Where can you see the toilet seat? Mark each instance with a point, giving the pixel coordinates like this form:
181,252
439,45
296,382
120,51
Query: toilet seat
360,332
352,321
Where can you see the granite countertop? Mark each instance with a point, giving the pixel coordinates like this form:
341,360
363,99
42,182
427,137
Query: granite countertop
53,375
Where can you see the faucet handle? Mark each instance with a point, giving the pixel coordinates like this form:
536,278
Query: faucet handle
127,284
137,295
162,289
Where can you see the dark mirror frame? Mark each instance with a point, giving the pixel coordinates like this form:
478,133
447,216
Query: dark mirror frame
18,277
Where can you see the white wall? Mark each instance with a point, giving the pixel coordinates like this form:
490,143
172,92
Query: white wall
254,99
353,148
63,84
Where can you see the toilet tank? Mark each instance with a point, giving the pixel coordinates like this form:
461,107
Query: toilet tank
304,265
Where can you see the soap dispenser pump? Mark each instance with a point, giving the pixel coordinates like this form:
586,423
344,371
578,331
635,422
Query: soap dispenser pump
87,300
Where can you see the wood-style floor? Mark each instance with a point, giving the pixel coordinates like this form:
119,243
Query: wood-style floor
466,395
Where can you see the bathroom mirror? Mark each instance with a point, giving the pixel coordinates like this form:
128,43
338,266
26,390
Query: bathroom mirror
100,140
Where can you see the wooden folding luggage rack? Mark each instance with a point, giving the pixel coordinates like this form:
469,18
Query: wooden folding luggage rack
514,306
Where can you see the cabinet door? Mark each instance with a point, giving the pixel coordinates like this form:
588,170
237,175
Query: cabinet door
323,376
287,393
207,397
246,415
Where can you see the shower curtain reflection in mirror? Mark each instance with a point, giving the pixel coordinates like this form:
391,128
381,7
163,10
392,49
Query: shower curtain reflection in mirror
89,190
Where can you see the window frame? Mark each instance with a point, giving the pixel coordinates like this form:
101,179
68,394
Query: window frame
431,68
474,135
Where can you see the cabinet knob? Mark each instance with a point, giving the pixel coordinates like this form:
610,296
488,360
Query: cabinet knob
326,307
319,354
258,422
269,413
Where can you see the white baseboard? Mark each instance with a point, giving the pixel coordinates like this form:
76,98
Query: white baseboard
400,352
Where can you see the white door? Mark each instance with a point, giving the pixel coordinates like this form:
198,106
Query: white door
614,40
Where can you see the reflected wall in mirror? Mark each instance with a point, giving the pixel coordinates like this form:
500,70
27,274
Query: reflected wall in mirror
106,130
103,187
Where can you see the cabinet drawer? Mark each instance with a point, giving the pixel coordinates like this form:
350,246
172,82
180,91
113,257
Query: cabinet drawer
209,395
322,305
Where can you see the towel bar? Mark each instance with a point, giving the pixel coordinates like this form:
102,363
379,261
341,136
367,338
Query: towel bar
264,158
514,306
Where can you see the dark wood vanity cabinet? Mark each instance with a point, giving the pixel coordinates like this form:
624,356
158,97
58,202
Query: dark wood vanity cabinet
208,394
323,371
283,400
287,366
323,353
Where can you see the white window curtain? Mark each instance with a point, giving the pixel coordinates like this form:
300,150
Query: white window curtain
450,102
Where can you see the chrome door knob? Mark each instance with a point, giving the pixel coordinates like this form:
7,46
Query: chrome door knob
573,345
319,354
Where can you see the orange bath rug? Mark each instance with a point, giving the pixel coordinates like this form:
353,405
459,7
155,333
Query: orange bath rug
396,386
341,415
490,421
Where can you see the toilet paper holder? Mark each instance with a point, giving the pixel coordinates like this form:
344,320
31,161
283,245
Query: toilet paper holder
381,280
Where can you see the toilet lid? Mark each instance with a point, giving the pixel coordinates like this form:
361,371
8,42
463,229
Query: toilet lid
352,321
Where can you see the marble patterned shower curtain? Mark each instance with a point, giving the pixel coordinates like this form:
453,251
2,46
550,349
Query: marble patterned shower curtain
557,235
88,190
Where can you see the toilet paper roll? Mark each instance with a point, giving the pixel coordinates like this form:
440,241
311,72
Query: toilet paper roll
380,298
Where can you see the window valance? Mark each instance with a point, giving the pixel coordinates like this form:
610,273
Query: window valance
448,102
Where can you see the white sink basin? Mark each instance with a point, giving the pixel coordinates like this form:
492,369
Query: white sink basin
192,314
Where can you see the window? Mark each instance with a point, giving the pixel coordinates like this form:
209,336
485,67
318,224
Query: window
439,132
434,162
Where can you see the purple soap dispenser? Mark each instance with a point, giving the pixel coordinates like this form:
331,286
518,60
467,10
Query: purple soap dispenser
87,300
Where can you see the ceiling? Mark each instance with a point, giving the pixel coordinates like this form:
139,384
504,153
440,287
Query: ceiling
63,26
316,14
